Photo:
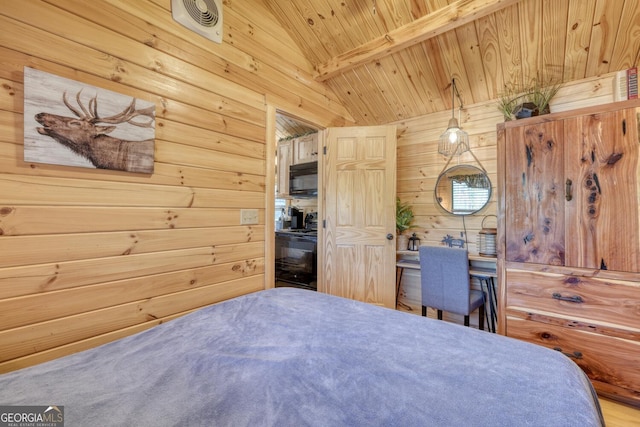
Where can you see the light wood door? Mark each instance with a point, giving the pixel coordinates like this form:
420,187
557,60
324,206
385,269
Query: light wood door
359,190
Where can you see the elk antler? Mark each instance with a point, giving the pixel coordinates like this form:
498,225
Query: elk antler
125,116
84,115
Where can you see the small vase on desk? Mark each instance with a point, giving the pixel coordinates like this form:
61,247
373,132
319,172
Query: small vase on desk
402,242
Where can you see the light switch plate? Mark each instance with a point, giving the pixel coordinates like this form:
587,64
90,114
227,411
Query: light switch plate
248,216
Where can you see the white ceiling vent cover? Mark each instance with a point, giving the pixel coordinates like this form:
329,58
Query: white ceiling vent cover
202,16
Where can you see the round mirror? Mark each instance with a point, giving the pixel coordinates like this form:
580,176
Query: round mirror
463,190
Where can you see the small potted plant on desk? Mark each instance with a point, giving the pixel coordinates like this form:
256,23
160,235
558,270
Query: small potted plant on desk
404,221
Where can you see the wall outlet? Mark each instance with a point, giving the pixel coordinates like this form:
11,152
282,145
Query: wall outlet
248,216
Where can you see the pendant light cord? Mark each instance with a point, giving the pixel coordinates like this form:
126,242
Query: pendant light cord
454,92
453,98
455,89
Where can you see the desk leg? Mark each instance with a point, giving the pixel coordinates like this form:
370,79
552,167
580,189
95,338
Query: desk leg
491,313
491,284
488,313
399,271
492,305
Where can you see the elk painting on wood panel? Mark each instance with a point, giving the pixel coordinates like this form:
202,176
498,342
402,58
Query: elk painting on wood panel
74,124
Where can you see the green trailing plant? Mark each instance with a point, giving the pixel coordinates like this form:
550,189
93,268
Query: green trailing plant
290,137
534,95
404,216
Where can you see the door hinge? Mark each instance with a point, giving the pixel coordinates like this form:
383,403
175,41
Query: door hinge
324,223
324,150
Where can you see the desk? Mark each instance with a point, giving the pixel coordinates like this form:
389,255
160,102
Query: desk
485,275
413,255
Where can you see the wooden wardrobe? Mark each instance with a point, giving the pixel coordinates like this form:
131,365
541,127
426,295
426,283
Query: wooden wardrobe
569,239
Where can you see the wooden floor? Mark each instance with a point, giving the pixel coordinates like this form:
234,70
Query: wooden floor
618,415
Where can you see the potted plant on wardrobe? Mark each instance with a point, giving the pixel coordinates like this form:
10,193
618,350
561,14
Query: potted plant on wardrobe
404,221
519,101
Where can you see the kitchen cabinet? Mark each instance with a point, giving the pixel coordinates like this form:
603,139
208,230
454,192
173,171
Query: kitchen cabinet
285,158
305,149
569,239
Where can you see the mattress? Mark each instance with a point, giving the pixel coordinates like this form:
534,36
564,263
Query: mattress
292,357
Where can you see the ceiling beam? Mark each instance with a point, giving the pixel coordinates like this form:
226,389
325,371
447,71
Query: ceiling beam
442,20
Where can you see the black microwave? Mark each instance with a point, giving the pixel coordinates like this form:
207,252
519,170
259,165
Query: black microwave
303,180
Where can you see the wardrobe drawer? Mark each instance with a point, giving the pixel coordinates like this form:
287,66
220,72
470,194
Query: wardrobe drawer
604,359
600,300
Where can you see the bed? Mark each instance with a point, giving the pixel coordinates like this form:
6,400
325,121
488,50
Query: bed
291,357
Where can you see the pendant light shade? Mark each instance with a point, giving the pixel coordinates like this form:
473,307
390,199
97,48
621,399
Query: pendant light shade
454,141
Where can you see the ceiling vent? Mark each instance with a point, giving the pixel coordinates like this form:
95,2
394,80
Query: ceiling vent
202,16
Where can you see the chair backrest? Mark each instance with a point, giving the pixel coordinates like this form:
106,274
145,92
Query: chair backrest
444,275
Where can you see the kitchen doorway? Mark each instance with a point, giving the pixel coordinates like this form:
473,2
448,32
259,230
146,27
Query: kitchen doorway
293,142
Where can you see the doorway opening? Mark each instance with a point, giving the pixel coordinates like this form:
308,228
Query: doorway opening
295,197
296,143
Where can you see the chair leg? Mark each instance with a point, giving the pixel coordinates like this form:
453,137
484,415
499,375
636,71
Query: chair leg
439,314
481,317
424,311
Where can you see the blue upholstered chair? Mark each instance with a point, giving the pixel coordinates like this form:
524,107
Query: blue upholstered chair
444,275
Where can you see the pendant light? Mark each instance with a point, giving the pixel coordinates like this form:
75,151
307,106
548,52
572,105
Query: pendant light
454,141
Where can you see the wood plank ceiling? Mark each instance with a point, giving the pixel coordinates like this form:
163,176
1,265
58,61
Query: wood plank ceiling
390,60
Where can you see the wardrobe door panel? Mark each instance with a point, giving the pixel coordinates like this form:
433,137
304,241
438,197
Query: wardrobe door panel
602,215
535,185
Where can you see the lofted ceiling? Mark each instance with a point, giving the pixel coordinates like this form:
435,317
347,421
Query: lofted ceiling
288,127
390,60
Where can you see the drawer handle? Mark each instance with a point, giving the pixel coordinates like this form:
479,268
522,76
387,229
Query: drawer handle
567,190
574,355
576,298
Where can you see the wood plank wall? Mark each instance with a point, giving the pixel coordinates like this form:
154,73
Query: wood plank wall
88,256
419,165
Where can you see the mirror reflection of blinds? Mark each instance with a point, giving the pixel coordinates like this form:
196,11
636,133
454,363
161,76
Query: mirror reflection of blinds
466,198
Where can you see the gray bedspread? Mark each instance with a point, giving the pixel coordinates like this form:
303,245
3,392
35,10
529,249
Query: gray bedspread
289,357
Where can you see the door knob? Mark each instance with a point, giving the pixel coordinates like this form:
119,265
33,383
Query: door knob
389,236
